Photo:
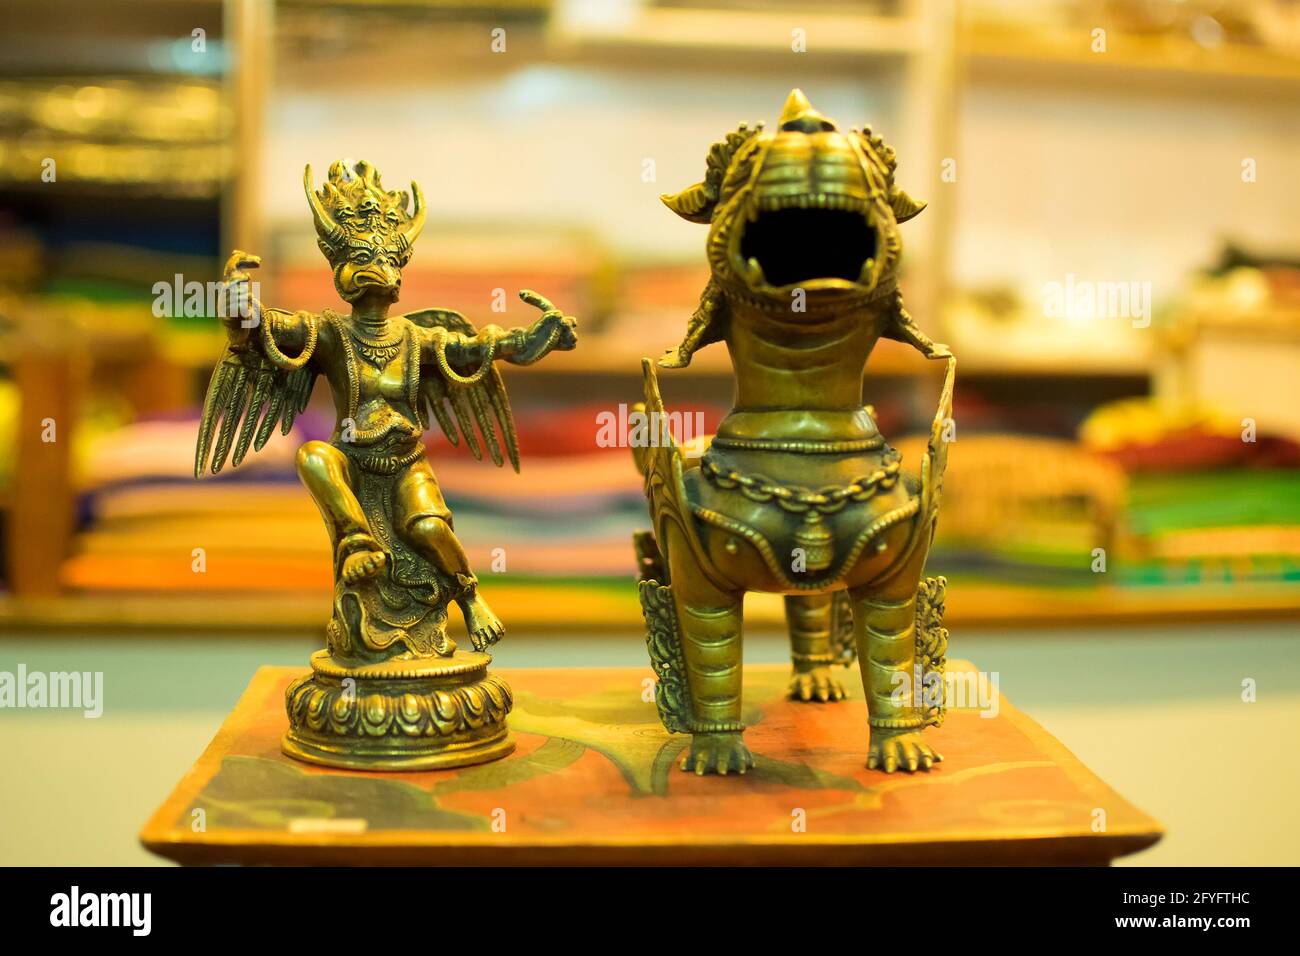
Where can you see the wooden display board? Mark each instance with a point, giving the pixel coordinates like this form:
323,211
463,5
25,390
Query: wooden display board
594,780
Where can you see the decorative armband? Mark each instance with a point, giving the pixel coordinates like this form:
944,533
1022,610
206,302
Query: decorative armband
278,358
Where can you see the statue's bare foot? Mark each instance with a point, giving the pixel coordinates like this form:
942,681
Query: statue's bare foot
363,564
900,750
484,627
815,685
717,753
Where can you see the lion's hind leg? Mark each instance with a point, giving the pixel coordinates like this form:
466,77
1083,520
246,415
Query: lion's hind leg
810,618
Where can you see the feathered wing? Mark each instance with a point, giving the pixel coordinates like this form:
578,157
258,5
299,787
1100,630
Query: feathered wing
935,460
457,407
247,396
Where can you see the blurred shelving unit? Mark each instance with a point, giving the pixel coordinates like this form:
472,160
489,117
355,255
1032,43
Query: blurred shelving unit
1098,63
1165,62
113,119
916,53
903,46
1044,55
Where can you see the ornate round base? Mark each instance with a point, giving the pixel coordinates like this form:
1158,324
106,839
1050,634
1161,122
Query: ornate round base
423,714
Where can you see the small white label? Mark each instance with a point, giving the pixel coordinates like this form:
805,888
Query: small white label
327,825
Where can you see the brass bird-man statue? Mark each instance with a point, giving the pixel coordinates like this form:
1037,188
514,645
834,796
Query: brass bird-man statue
391,690
798,493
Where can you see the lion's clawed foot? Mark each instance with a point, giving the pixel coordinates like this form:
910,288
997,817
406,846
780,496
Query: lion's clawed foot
897,750
722,753
815,686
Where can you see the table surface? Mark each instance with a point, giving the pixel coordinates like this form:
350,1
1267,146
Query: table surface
594,779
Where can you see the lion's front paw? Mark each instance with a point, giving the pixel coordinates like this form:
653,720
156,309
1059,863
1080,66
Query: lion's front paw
900,750
717,753
815,686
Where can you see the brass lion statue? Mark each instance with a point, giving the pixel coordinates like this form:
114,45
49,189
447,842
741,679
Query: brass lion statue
798,493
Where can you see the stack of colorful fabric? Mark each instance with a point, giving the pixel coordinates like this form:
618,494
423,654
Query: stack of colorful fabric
1209,500
569,514
147,525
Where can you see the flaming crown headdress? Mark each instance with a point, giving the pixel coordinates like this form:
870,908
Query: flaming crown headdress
353,210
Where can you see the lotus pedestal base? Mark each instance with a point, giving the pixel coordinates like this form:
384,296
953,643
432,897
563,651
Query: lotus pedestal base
420,714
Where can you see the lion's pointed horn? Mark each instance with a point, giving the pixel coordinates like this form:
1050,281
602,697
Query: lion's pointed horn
326,227
796,104
798,115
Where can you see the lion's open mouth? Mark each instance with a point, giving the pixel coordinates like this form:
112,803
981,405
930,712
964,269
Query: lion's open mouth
803,239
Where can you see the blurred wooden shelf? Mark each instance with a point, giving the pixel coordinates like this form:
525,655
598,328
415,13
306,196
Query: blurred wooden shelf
648,38
595,355
690,34
1082,366
996,605
127,38
605,607
1174,61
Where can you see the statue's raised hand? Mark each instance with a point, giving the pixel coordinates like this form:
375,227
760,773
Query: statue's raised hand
240,309
554,330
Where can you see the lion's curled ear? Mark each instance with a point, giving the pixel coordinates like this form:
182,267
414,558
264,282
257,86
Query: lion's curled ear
696,203
904,206
693,203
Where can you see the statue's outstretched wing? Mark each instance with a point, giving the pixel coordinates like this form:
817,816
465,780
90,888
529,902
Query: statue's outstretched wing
465,396
247,396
